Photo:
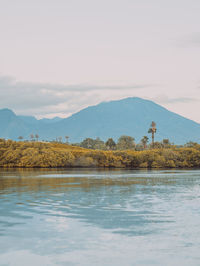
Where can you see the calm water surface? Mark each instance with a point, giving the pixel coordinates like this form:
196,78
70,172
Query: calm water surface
90,217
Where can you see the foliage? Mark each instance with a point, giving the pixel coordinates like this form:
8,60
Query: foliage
40,154
110,144
90,143
144,141
125,143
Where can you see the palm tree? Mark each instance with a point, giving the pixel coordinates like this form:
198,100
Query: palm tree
144,141
152,130
67,139
37,136
32,137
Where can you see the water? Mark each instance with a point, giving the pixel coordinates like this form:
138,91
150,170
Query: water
90,217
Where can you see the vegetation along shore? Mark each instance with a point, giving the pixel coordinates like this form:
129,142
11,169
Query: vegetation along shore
51,155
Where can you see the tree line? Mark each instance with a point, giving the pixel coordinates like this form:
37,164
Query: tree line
124,153
52,155
123,143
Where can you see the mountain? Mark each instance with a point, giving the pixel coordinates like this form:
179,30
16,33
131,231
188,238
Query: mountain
28,119
32,120
130,116
11,126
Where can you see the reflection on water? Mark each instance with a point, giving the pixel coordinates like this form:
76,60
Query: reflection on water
90,217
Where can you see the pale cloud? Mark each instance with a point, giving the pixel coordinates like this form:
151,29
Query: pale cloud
191,40
164,99
139,48
186,106
50,100
43,99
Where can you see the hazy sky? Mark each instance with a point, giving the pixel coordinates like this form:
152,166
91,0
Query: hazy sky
59,56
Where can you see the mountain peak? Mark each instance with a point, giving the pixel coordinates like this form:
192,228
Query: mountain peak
130,100
130,116
7,112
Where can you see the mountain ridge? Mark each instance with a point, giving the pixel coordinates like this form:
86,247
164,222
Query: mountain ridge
129,116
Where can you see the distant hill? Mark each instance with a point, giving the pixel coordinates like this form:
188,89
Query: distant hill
130,116
11,126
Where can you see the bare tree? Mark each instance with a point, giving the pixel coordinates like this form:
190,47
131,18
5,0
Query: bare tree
60,139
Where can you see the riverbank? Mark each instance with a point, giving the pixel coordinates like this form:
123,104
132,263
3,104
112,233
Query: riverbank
53,155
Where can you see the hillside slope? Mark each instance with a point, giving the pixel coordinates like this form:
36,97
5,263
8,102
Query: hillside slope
130,116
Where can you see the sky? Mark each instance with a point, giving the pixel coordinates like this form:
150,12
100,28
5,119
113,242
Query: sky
60,56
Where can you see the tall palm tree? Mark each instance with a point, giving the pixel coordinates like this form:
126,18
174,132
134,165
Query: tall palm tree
152,130
37,136
144,141
32,137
